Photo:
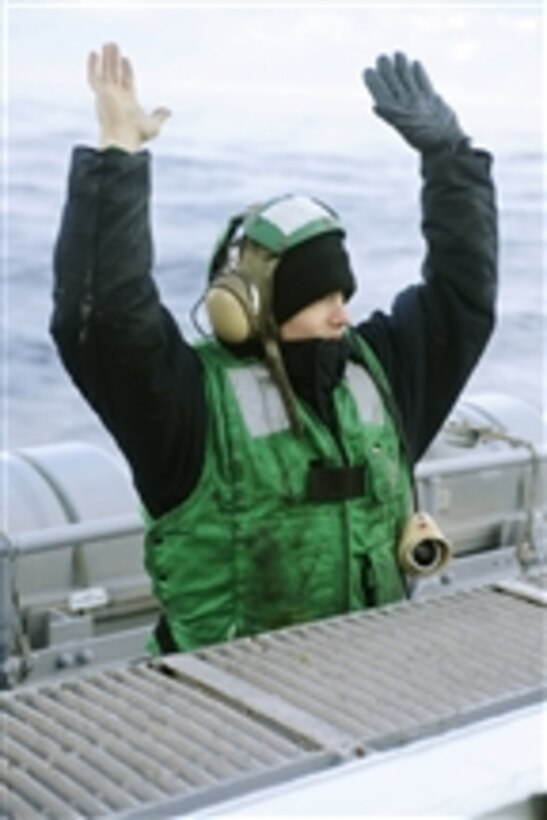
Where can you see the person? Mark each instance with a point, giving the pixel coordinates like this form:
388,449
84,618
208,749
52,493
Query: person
274,460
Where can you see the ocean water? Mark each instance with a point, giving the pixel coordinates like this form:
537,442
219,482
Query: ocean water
198,183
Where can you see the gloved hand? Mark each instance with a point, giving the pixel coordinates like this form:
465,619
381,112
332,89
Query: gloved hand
406,99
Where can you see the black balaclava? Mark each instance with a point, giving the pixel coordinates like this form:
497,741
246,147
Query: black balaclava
309,272
305,274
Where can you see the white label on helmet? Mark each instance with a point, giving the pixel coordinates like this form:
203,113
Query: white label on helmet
293,213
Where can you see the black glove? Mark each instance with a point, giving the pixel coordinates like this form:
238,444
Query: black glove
406,99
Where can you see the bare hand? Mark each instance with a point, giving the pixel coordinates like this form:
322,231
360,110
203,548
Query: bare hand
123,122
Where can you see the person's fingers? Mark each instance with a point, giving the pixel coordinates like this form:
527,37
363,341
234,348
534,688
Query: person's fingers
92,69
161,114
387,72
111,63
405,74
377,87
126,73
422,79
102,73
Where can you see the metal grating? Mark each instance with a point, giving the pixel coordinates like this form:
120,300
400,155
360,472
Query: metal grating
397,673
124,739
190,730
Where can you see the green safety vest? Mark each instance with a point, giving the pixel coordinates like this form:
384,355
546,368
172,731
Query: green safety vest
271,535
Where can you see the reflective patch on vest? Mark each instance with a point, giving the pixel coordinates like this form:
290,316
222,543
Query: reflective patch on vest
365,393
259,401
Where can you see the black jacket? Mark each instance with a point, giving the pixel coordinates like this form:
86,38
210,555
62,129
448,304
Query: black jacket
125,352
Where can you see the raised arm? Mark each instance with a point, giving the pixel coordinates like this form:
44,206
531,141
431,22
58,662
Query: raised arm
436,332
121,346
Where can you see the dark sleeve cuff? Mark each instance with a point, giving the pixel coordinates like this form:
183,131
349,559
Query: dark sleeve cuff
89,164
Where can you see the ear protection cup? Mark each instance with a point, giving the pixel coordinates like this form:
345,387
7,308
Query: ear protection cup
237,301
228,305
228,300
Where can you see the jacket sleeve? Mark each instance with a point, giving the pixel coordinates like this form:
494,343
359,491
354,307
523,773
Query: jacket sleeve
121,346
437,330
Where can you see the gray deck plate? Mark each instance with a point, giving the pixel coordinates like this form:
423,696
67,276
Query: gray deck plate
189,730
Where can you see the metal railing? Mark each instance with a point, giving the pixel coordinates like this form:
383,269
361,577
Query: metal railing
93,532
32,542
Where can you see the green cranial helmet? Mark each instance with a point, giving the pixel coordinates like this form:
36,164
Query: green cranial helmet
289,220
277,225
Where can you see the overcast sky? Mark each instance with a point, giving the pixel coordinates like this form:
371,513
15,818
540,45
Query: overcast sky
302,60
